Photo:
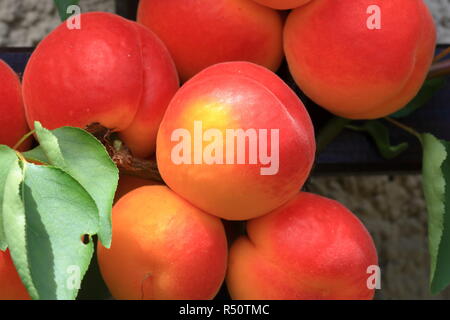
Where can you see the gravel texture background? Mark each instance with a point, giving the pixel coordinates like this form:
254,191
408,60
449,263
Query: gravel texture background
392,208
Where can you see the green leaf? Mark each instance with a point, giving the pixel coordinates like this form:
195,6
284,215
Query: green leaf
380,134
7,159
14,221
83,157
429,88
330,131
436,182
36,155
62,6
47,213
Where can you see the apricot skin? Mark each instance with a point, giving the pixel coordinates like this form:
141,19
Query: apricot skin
311,248
163,248
13,124
238,95
11,287
351,70
282,4
112,71
202,33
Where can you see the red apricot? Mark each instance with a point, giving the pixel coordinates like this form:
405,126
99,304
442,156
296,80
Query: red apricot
163,248
311,248
360,59
11,287
236,141
13,125
111,71
202,33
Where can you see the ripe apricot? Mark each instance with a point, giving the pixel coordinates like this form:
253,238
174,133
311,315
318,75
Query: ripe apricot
111,71
311,248
11,287
236,141
163,248
360,59
199,34
13,125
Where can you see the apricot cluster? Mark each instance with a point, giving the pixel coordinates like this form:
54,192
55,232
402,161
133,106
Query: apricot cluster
234,143
166,238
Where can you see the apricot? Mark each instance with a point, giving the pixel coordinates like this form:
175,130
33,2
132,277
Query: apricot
311,248
282,4
360,59
13,124
202,33
236,141
111,71
163,248
11,287
129,183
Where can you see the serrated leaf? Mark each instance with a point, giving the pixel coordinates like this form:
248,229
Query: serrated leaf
47,213
83,157
14,220
50,146
429,88
62,6
436,182
380,134
7,159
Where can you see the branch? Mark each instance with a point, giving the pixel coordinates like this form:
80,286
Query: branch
439,69
122,157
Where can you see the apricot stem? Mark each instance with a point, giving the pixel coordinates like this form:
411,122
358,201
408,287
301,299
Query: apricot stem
122,157
23,139
441,55
404,127
330,131
20,156
439,69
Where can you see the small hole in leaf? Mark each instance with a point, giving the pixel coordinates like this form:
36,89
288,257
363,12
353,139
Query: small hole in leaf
85,239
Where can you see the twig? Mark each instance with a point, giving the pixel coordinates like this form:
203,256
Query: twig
441,55
404,127
122,157
23,139
439,69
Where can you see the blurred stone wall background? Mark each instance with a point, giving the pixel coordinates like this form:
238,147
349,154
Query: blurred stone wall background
392,207
25,22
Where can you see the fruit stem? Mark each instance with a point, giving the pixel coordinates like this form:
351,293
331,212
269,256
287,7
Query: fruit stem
20,156
405,128
23,139
441,55
439,69
330,131
122,157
